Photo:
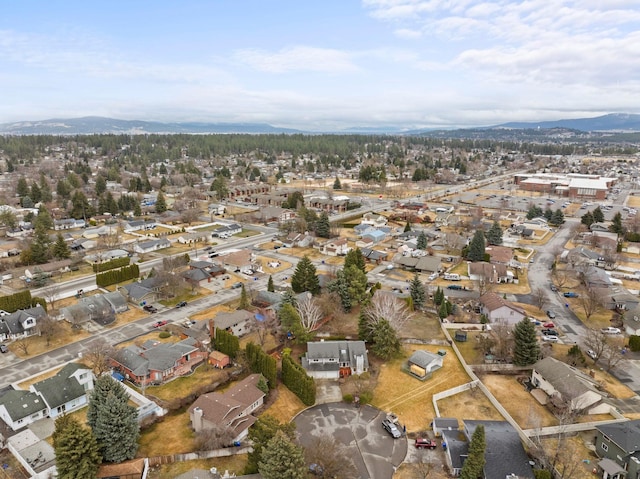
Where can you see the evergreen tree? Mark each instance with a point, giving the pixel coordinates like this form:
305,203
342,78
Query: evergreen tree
26,202
219,185
341,288
418,294
558,217
40,245
290,320
261,433
80,207
305,277
443,310
526,349
270,287
494,235
44,218
60,248
355,257
386,344
323,226
101,185
45,189
357,283
616,224
76,450
137,211
587,219
336,184
407,227
22,188
473,466
438,296
476,247
113,420
548,214
598,215
35,193
533,212
421,242
282,459
161,203
244,298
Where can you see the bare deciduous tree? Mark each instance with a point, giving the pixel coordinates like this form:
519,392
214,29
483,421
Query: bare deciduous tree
560,277
216,437
540,297
502,333
388,307
332,458
51,295
97,356
590,302
22,344
266,326
48,328
310,313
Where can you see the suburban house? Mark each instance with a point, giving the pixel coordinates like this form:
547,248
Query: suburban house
139,225
373,256
105,256
193,237
374,236
374,220
424,264
218,359
202,272
498,309
489,273
599,227
499,254
363,228
100,231
68,224
151,245
422,363
66,391
232,408
441,424
92,308
147,290
21,323
156,363
618,446
335,359
270,214
216,209
566,386
117,301
49,269
298,239
335,247
242,261
20,408
226,231
237,322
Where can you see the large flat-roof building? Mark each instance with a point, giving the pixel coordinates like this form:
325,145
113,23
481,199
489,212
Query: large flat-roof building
571,185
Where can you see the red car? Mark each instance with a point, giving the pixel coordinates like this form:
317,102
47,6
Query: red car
159,324
549,325
422,443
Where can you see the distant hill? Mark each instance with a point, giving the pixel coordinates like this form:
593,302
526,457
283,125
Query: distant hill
613,122
95,124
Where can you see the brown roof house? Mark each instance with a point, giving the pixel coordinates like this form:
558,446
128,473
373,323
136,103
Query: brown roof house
230,409
500,310
489,273
242,261
499,254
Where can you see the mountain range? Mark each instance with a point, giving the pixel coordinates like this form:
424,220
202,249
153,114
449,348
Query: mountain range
619,122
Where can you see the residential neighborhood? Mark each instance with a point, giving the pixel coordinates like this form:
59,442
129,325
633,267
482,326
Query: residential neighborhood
493,301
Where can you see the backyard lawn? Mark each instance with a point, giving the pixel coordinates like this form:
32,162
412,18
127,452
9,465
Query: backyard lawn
172,434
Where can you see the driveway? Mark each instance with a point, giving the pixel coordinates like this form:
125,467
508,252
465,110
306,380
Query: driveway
374,452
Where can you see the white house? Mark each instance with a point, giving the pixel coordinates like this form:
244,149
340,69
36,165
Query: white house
67,224
139,225
374,220
21,323
335,247
238,322
500,310
335,359
67,390
151,245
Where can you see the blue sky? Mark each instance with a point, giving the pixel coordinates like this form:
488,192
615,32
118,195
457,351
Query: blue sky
326,64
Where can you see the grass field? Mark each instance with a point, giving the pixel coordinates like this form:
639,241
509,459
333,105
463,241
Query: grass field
175,434
471,404
234,464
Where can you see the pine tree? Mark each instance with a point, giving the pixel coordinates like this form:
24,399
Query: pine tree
421,241
476,247
113,420
407,227
270,287
76,450
39,249
598,215
336,184
443,310
282,459
357,283
473,466
323,226
558,217
60,248
355,257
587,219
264,429
244,298
341,288
616,224
438,296
161,203
494,235
418,294
22,188
290,320
305,277
137,211
526,349
386,344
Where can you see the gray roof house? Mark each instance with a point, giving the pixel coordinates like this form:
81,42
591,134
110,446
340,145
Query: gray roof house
442,424
238,322
91,308
117,301
21,323
335,359
422,363
20,408
67,391
619,447
151,245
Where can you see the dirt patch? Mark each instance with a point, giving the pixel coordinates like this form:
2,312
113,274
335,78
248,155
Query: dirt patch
471,404
419,470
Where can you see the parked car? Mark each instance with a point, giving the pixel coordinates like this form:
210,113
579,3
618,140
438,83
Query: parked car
549,332
3,348
159,324
551,339
551,315
424,443
237,285
208,248
549,325
554,288
592,354
611,330
456,287
149,308
181,304
391,428
571,294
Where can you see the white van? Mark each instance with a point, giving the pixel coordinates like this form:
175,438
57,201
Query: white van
452,277
433,276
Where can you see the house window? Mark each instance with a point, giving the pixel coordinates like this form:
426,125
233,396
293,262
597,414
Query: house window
604,446
606,438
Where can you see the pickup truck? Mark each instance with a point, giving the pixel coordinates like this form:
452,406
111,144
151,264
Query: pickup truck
423,443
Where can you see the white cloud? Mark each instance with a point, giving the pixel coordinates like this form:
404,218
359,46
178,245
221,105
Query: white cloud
300,58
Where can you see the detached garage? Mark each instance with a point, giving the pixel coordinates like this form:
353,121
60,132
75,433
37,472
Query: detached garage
422,363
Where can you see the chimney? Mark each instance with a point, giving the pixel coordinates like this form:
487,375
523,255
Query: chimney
212,329
197,419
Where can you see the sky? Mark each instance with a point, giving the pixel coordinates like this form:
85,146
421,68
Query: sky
320,64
